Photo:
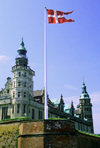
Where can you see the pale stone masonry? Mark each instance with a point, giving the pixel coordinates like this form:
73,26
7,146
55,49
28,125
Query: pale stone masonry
18,98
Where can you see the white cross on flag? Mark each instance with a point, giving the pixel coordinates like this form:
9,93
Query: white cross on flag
55,17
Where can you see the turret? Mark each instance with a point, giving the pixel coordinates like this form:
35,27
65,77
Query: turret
22,88
85,106
61,104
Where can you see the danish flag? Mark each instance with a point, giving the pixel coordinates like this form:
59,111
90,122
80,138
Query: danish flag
55,17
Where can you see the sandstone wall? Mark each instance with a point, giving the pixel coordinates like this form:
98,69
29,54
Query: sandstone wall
44,134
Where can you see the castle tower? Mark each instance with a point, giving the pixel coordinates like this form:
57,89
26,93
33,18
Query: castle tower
22,85
85,106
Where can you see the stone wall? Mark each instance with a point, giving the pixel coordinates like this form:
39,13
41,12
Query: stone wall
45,134
9,135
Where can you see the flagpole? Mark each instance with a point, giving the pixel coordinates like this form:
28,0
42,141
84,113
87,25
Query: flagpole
45,67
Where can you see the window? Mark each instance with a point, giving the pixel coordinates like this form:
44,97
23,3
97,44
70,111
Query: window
7,91
19,74
24,84
19,83
40,114
4,113
13,94
18,94
24,94
18,108
33,112
24,109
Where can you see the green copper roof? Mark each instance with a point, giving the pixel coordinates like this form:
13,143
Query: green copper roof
84,94
22,47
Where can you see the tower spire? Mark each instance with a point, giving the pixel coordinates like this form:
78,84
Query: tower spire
22,45
84,93
21,59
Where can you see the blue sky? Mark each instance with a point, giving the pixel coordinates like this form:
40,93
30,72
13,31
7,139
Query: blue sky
73,48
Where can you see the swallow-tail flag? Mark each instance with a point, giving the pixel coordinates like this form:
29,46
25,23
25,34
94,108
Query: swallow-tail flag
55,17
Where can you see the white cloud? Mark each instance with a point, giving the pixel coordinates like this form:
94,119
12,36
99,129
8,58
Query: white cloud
71,87
4,58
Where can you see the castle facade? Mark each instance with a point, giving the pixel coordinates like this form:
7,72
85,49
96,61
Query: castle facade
19,99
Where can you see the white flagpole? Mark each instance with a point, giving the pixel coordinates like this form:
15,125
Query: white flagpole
45,67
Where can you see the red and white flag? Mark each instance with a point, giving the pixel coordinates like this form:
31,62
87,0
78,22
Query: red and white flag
55,17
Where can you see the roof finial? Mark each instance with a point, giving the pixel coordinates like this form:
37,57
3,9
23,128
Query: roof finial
22,38
22,43
83,80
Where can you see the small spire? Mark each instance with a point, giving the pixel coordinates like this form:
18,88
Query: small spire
72,108
71,103
61,96
84,88
22,42
61,99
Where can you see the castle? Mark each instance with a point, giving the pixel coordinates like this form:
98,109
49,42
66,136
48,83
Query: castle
19,99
